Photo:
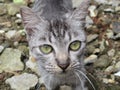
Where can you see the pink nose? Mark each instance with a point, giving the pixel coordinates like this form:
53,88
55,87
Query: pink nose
63,65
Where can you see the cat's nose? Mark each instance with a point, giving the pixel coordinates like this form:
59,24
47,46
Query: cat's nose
64,65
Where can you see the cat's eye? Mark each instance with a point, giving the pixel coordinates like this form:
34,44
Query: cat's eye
46,49
74,46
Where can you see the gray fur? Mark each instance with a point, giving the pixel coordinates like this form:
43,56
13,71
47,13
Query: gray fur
52,9
59,30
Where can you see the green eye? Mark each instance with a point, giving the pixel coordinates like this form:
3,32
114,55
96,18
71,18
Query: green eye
74,46
46,49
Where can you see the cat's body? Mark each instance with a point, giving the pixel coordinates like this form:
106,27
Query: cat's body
57,40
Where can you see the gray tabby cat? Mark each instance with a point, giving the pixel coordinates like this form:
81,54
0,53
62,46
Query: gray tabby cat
55,33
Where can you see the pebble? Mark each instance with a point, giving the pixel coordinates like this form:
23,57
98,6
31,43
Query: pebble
1,1
93,11
1,48
108,2
24,49
2,31
90,49
109,69
109,10
96,51
91,59
116,36
102,1
102,45
24,81
117,9
116,27
10,60
117,66
117,74
3,9
107,81
111,52
91,37
109,34
20,1
102,62
18,15
13,8
10,34
18,21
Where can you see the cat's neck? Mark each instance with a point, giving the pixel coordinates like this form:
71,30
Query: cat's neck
52,9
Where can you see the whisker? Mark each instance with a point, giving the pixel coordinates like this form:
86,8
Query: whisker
80,80
75,64
87,79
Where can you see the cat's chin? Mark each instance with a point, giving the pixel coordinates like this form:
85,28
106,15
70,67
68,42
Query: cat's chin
62,73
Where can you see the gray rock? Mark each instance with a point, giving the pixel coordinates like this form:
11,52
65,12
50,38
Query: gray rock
109,2
18,15
10,60
102,62
90,49
102,1
117,9
90,59
109,10
117,66
18,21
3,9
109,69
117,74
116,36
91,37
93,11
111,52
116,27
2,1
96,51
10,34
110,34
13,8
24,49
2,32
103,45
22,82
20,1
1,48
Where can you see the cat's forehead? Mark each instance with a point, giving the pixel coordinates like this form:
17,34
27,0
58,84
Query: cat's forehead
66,29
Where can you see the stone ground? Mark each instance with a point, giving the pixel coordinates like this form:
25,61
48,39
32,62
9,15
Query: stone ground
102,57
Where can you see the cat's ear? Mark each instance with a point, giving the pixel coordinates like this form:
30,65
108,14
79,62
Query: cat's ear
28,16
80,12
30,19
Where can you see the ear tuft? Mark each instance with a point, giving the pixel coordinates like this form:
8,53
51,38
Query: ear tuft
28,16
81,12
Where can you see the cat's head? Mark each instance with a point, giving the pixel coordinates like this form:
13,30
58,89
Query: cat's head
57,45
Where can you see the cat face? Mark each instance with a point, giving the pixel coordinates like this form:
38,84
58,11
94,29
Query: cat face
57,45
